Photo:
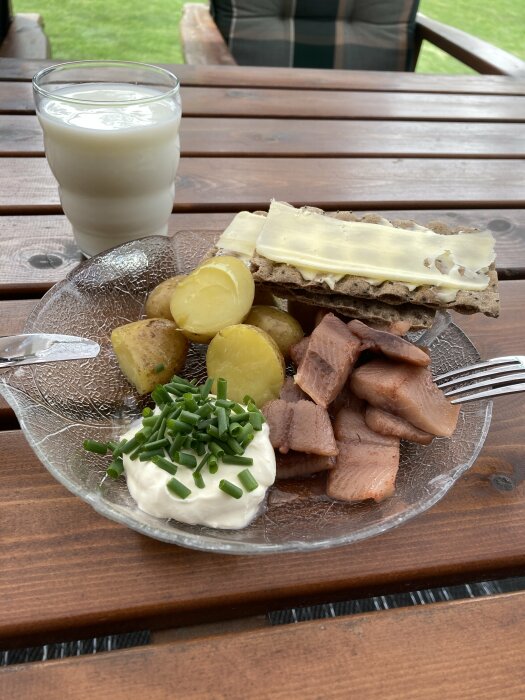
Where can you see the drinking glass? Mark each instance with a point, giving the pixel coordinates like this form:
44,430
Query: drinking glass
111,137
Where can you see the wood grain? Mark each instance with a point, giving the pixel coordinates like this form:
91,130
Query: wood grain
66,571
305,78
429,652
38,251
13,315
208,101
28,187
21,135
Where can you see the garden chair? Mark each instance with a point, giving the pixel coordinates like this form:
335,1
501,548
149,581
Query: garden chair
22,35
357,34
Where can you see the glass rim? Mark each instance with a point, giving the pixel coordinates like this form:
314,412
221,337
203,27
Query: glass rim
43,92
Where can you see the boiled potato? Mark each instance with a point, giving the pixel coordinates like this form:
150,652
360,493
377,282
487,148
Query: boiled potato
158,301
149,352
283,328
249,359
216,294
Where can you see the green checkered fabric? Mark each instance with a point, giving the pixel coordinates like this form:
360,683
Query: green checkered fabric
358,34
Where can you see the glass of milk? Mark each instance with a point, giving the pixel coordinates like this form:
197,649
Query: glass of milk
111,136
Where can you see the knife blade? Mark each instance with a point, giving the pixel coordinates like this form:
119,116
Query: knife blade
34,348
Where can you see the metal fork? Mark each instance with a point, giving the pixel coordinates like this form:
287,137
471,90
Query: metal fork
505,375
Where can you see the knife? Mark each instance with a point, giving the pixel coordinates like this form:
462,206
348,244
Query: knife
33,348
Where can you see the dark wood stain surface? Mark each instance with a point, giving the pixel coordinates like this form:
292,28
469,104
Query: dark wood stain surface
408,146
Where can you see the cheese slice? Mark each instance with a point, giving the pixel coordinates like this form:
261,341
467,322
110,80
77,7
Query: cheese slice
240,236
312,242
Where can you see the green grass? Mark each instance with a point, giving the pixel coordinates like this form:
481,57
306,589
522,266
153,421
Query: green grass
148,31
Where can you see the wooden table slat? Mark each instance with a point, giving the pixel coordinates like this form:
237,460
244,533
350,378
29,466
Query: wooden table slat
28,187
21,135
436,655
304,78
59,558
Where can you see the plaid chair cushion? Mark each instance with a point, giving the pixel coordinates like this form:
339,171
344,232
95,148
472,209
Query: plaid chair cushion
359,34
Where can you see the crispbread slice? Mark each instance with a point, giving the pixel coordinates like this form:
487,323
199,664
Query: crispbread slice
290,280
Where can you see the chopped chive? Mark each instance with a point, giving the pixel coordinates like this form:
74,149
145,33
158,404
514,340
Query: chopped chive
213,466
190,403
187,460
236,447
224,403
216,450
180,380
248,480
135,441
203,424
248,399
165,464
205,410
203,461
237,459
177,388
112,445
256,420
224,445
159,368
115,469
188,417
161,396
177,488
206,388
188,440
213,431
164,442
237,408
149,421
200,448
135,454
234,429
242,417
202,437
180,426
222,425
222,388
179,441
99,448
199,481
148,454
230,489
147,412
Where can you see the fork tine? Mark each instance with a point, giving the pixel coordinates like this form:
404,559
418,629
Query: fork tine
511,389
518,360
489,372
487,382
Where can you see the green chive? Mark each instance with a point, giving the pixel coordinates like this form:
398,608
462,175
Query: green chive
182,388
248,480
149,421
245,432
256,420
200,448
147,412
230,489
177,488
248,399
99,448
164,442
132,444
242,417
165,464
187,460
203,461
216,450
188,417
206,388
199,481
236,447
161,395
180,380
112,445
205,423
213,431
190,403
222,388
115,469
159,368
237,408
222,425
236,459
235,429
180,426
224,403
149,454
205,410
213,466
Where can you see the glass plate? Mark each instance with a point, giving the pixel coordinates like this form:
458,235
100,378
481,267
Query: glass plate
59,405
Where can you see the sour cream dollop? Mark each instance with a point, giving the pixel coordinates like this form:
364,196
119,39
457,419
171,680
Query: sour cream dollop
208,506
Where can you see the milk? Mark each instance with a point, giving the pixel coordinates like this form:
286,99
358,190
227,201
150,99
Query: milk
115,163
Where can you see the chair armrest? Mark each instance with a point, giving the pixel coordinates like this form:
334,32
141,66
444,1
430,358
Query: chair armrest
202,42
476,53
26,38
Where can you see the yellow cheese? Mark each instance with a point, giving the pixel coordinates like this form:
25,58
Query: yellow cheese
313,242
241,234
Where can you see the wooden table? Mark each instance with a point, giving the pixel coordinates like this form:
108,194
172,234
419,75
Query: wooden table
419,146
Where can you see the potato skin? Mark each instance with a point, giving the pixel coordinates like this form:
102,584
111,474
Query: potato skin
250,360
158,301
149,352
281,326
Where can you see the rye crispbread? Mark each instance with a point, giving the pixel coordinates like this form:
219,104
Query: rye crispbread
389,301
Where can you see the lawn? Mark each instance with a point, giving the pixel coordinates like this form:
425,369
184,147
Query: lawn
148,31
